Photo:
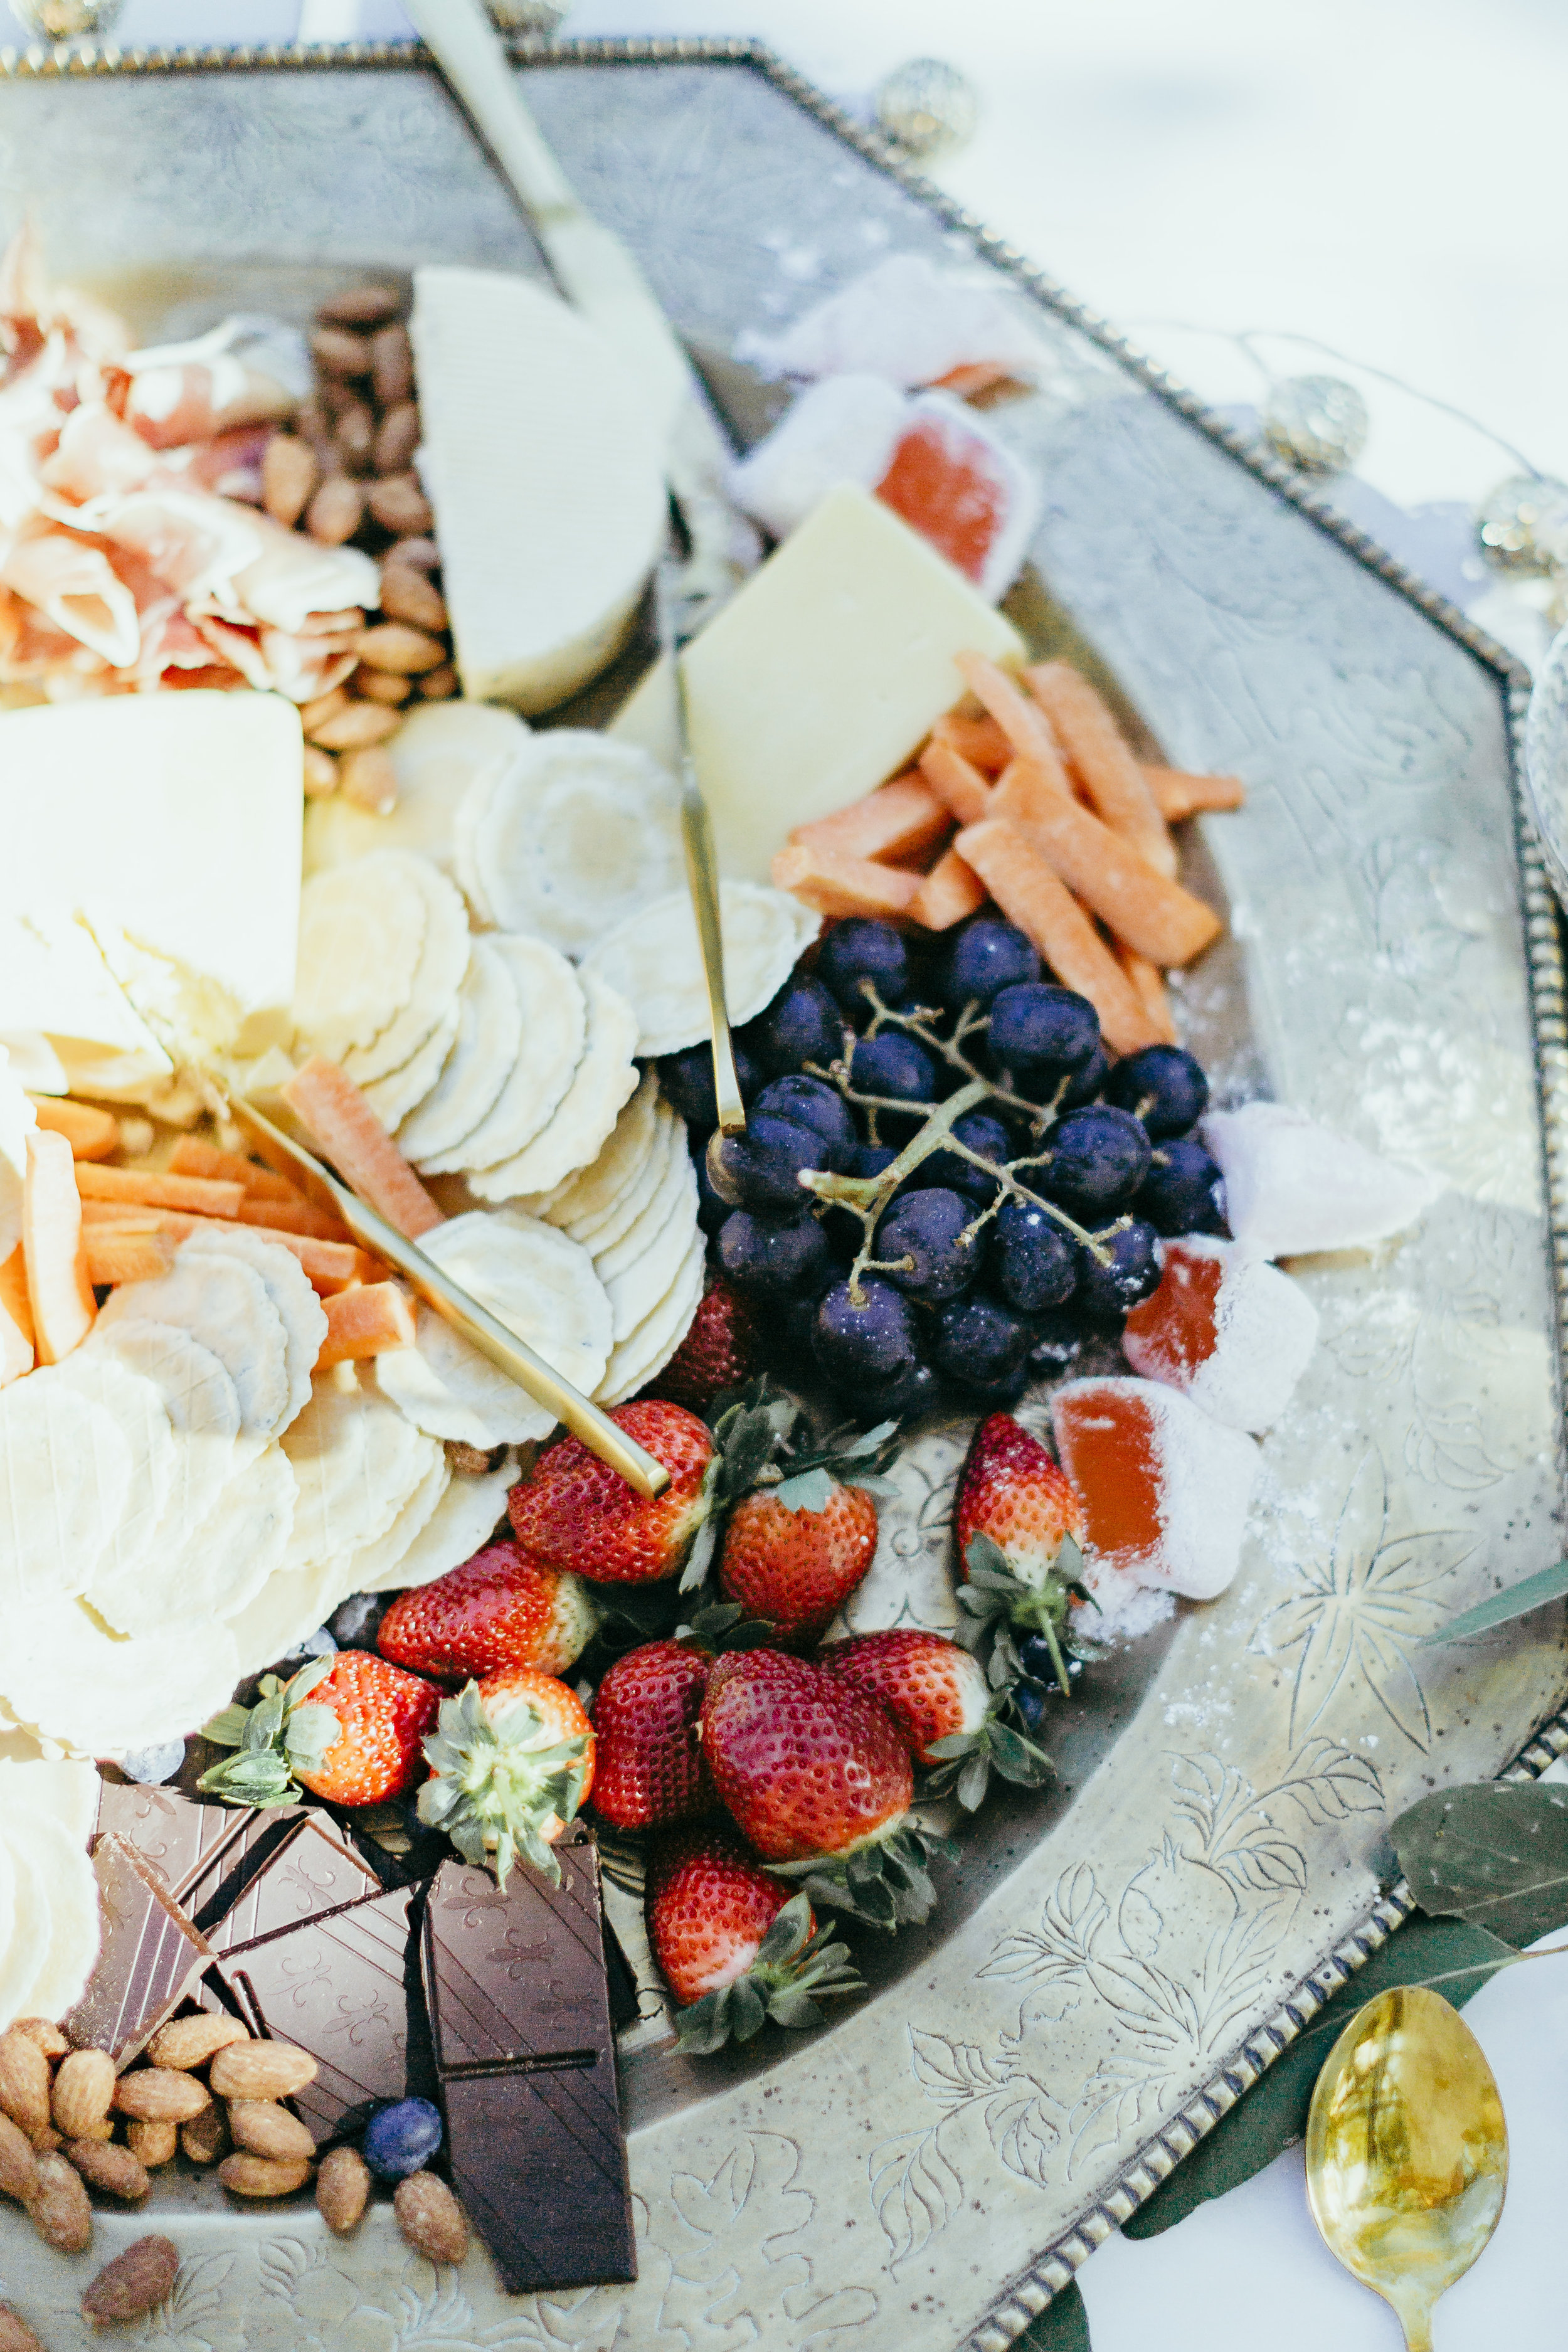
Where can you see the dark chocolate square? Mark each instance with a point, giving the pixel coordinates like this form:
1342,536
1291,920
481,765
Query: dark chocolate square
518,1975
539,2165
149,1956
309,1869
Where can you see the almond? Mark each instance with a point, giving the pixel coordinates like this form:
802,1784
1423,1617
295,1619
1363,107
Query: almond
336,511
161,2094
290,470
259,2176
391,365
47,2141
134,2283
397,440
49,2038
84,2085
153,2144
187,2041
368,778
261,2070
58,2208
24,2084
205,2137
106,2166
321,772
337,352
355,436
381,685
342,2190
409,595
430,2218
395,646
262,2128
399,504
419,554
440,685
356,724
15,2335
19,2164
360,305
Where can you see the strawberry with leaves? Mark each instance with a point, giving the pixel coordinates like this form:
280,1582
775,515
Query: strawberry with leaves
736,1944
350,1729
939,1697
1018,1526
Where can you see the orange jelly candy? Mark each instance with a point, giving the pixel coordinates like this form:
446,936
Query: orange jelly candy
962,490
1165,1489
1107,1444
1176,1329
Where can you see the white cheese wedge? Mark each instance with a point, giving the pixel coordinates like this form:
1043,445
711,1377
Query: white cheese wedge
173,819
818,681
544,469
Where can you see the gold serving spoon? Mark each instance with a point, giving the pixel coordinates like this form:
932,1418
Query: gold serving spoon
1406,2152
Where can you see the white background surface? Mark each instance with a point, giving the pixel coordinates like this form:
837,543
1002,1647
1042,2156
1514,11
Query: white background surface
1385,175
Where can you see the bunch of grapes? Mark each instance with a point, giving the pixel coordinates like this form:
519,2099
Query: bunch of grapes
984,1187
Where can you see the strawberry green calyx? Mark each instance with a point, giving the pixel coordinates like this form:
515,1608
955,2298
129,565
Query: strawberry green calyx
492,1792
967,1759
885,1880
998,1606
751,1435
794,1970
276,1742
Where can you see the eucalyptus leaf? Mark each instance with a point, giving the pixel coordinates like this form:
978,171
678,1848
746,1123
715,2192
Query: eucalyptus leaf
1062,2326
1531,1593
1272,2114
1494,1853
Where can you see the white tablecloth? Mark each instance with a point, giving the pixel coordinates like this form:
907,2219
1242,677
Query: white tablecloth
1385,176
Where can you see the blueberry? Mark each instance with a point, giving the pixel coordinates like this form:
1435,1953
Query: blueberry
758,1170
152,1765
1029,1703
1058,1342
859,951
894,1064
1040,1032
913,1390
981,1345
1035,1657
1179,1194
928,1227
985,956
688,1080
771,1253
355,1624
319,1644
1162,1085
872,1341
401,2138
1099,1157
983,1134
1086,1084
1033,1262
1110,1291
812,1102
802,1024
711,1206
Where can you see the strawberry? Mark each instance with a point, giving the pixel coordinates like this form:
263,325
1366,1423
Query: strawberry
720,1351
736,1944
1015,1492
499,1609
575,1513
349,1728
511,1759
650,1763
797,1566
939,1697
1019,1525
818,1778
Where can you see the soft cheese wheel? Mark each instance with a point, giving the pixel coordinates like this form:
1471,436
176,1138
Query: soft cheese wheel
546,478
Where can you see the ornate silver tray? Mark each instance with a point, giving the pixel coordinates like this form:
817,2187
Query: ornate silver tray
1118,1958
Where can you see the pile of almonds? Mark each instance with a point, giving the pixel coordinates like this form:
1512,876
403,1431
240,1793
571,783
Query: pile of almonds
61,2110
342,470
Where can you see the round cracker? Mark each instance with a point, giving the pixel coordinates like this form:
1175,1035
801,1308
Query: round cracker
636,1286
289,1286
600,1233
67,1950
436,755
653,958
135,1402
553,1014
483,1054
101,1695
402,1090
578,833
646,1350
677,1179
471,813
24,1892
200,1399
223,1303
65,1477
362,932
463,1520
604,1079
434,984
356,1461
619,1162
220,1563
371,1565
290,1607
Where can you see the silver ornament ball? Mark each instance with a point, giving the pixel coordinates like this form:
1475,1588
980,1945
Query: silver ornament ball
528,15
1522,525
67,20
927,107
1316,422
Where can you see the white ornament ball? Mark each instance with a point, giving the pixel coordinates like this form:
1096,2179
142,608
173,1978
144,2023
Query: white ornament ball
927,107
1522,525
1316,422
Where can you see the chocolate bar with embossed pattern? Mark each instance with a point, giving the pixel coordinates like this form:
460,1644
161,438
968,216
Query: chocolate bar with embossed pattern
309,1871
149,1956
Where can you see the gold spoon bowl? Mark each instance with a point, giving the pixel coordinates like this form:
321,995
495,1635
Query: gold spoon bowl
1406,2152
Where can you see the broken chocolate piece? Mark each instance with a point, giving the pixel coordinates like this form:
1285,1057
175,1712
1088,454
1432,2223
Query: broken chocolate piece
150,1955
192,1846
308,1870
339,1987
519,2013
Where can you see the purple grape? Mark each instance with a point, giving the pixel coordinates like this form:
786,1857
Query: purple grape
1058,1342
1108,1293
928,1227
980,1344
913,1390
985,956
873,1341
802,1024
759,1169
894,1064
860,950
1183,1191
1043,1033
711,1206
1032,1260
1162,1085
1099,1157
983,1134
687,1079
773,1253
1086,1084
812,1102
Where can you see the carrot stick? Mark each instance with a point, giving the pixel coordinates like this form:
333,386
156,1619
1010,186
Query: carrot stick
1032,895
57,1287
114,1255
950,775
837,884
203,1196
1020,717
1115,784
949,891
1177,794
351,1136
92,1133
331,1265
979,740
365,1321
13,1295
900,820
974,377
192,1157
298,1216
1149,982
1157,916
